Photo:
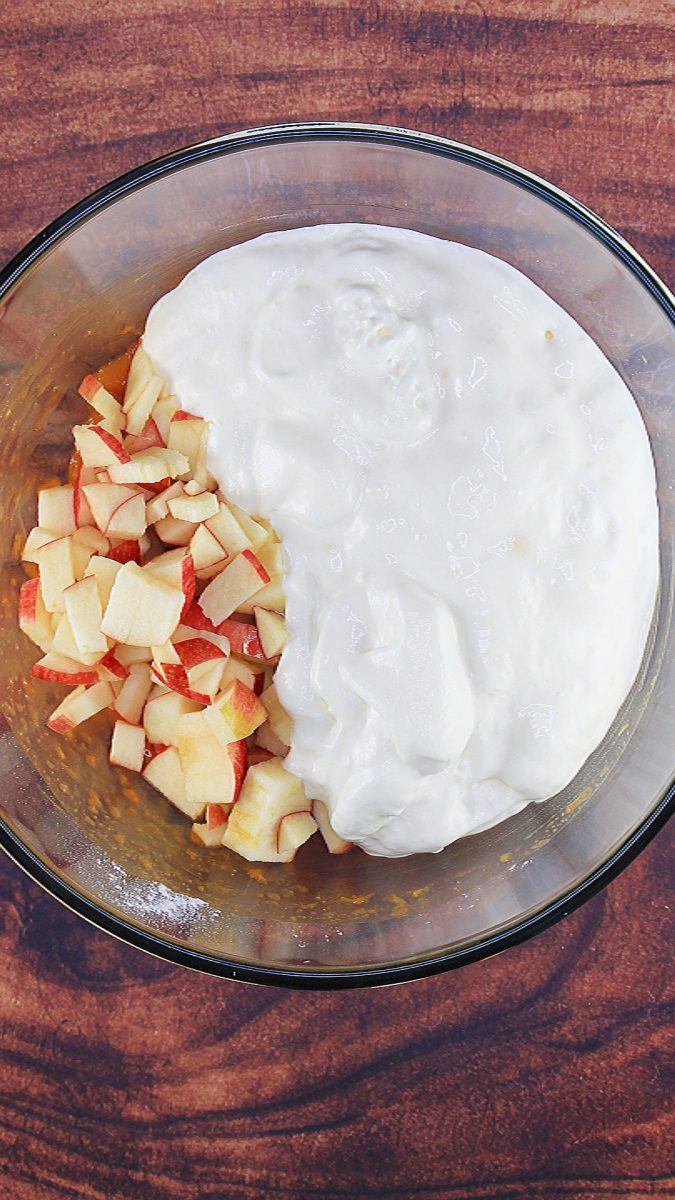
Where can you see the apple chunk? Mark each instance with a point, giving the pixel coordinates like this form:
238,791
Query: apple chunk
149,466
334,843
269,795
56,668
272,630
142,610
98,447
213,775
81,704
162,714
56,510
34,619
56,564
241,579
235,714
131,698
127,748
165,773
83,608
280,722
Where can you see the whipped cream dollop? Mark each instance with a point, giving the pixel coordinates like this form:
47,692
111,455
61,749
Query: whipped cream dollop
466,496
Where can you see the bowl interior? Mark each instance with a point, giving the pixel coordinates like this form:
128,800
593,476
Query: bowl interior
106,834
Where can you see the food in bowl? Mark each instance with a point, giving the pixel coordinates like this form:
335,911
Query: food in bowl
465,496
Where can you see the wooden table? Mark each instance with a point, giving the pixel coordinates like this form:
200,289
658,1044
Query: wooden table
539,1074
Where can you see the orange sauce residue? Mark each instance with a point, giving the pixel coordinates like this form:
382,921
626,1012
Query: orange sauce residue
114,374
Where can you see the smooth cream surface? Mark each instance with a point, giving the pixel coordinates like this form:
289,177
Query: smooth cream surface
465,492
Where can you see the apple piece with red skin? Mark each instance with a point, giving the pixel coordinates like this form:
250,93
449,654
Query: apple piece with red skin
141,610
271,596
81,704
209,837
269,794
147,439
128,655
213,773
258,754
56,566
140,374
149,466
162,413
138,415
224,526
56,510
252,677
176,567
256,533
185,633
131,698
162,714
110,666
235,714
56,668
206,550
158,508
97,447
239,580
92,538
189,436
84,612
175,677
334,843
37,538
196,508
216,814
63,642
165,773
34,620
128,550
127,748
272,630
81,510
195,651
101,400
104,499
206,678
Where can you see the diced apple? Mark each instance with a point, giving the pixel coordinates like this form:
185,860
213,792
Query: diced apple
102,401
81,704
128,550
256,533
185,633
165,773
280,722
145,440
34,619
206,678
56,565
127,748
271,557
149,466
55,668
140,373
83,608
269,794
189,435
128,521
177,679
176,568
162,714
272,630
110,667
205,549
209,836
235,714
158,508
174,532
232,587
63,642
198,650
334,843
98,447
250,676
267,739
104,499
139,412
226,529
56,510
131,698
81,510
142,610
294,830
104,571
194,508
162,413
258,754
271,596
212,774
128,655
37,538
92,538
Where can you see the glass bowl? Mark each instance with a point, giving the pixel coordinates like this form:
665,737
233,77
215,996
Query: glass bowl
115,851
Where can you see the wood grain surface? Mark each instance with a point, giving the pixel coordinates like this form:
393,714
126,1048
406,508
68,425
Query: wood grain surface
545,1073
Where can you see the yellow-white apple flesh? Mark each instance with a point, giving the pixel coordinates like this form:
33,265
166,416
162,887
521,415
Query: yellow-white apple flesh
142,610
127,748
239,580
269,794
84,612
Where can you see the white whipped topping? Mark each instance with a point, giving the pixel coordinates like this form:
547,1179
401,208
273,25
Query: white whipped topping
465,492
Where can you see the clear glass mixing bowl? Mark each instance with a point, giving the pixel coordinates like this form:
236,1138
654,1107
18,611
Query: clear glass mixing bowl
112,849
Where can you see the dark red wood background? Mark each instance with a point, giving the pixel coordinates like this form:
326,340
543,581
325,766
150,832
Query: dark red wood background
545,1073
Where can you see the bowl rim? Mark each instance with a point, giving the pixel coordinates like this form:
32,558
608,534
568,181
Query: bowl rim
517,930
